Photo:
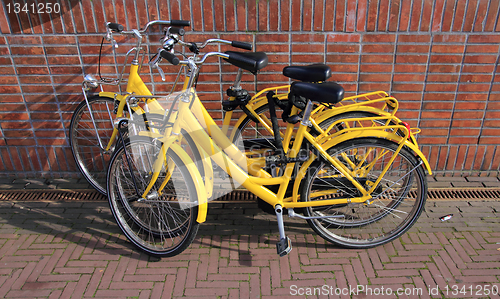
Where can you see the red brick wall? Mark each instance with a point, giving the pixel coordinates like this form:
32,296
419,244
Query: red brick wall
439,58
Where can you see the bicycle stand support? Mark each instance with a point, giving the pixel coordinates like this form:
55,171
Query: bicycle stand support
284,246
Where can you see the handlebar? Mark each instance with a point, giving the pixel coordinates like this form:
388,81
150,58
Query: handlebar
236,44
241,45
169,57
115,27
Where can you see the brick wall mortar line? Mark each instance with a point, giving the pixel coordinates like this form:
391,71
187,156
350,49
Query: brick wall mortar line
393,61
323,17
344,23
23,97
325,46
334,27
421,16
106,20
398,28
358,73
486,16
453,15
94,17
72,16
433,9
442,16
5,13
58,104
279,29
467,148
494,154
492,82
456,157
425,80
127,18
465,15
246,15
85,28
236,20
475,17
388,17
31,23
377,29
214,18
457,88
302,15
474,158
496,22
408,27
356,16
225,17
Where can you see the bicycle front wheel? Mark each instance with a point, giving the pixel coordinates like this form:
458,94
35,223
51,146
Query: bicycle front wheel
90,158
397,201
163,223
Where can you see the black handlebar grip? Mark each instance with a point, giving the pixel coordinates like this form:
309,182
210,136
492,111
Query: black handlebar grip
170,57
241,45
180,23
115,27
177,30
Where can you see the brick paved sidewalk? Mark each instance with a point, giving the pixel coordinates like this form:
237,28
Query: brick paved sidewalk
433,182
75,249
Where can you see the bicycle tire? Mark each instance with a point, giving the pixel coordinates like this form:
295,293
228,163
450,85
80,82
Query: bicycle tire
158,226
393,210
90,159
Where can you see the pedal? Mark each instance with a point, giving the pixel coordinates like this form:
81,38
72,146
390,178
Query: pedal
284,246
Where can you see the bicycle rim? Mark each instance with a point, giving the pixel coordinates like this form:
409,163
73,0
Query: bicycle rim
162,224
92,161
397,201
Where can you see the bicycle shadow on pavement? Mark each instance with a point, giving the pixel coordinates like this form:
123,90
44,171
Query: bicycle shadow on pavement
87,224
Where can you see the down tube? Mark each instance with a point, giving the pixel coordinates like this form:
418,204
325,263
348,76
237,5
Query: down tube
220,158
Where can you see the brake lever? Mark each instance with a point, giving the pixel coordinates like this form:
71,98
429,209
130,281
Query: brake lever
162,74
154,64
109,38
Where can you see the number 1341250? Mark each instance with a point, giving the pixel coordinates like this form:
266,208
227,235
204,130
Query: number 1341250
33,8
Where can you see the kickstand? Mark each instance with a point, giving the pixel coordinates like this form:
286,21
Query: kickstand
284,246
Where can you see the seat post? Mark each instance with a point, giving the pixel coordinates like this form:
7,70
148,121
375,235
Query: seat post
237,80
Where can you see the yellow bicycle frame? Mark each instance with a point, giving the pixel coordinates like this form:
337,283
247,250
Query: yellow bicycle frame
209,139
215,143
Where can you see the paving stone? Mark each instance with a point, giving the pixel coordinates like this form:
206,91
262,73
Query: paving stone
482,179
12,186
450,179
74,186
439,184
491,184
461,184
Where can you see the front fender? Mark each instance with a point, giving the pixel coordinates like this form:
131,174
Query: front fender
198,181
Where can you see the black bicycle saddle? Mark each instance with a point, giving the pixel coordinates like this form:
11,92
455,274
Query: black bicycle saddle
326,92
308,73
250,61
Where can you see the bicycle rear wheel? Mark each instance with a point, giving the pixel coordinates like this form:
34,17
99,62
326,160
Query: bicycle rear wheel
397,201
164,223
91,159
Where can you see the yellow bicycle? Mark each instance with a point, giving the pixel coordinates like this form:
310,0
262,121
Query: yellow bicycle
357,186
93,135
